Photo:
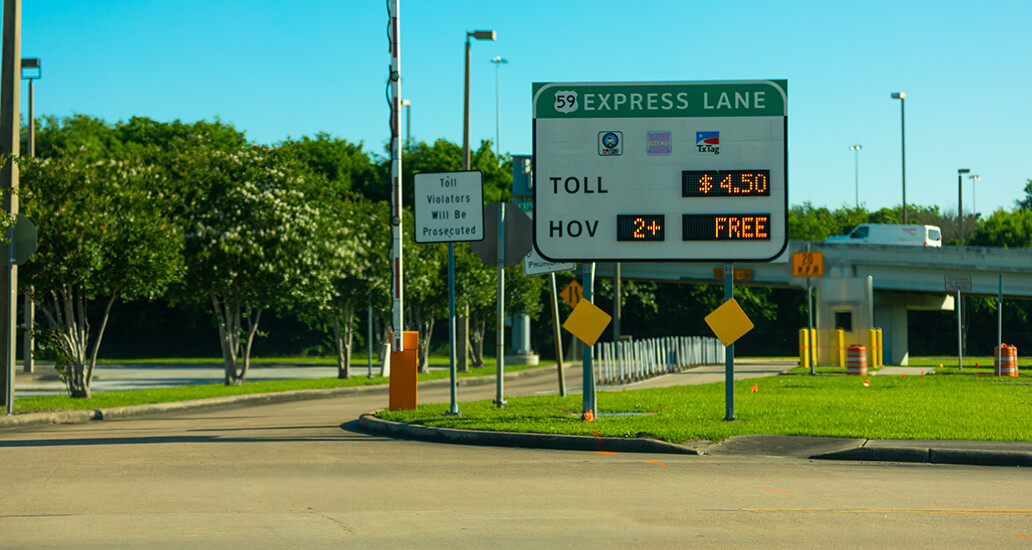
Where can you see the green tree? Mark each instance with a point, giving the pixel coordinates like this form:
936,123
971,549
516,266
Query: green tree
344,165
104,235
1026,203
255,239
1006,229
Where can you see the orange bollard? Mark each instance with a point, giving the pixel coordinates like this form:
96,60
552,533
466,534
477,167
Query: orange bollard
404,367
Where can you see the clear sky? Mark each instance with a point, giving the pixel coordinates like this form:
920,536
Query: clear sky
287,69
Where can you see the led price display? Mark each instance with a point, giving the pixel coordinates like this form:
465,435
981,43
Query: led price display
725,227
640,227
725,183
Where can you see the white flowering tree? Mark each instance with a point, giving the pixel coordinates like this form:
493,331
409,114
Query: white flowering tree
256,238
104,234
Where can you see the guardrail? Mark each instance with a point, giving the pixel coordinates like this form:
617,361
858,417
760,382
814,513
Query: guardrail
626,362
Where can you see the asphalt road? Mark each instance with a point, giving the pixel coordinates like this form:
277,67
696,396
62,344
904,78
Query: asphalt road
300,475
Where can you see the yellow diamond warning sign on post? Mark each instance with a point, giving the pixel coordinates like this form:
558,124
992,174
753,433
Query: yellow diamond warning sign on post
572,293
587,322
807,264
729,322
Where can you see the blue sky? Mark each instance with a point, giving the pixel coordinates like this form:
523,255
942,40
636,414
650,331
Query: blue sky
279,69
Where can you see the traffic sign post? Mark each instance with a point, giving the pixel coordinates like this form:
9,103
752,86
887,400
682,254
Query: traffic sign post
449,208
958,284
664,171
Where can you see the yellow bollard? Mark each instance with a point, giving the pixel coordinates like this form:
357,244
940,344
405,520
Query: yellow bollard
813,347
804,348
880,352
839,347
872,347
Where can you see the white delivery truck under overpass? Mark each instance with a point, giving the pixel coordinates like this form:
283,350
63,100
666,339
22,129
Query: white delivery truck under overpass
883,233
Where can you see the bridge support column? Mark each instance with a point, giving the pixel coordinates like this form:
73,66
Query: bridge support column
891,317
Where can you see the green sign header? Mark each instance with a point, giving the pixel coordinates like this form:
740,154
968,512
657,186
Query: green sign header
660,99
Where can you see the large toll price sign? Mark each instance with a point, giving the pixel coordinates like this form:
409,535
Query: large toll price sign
615,163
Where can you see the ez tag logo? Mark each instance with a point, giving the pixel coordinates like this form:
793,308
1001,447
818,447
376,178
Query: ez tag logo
566,101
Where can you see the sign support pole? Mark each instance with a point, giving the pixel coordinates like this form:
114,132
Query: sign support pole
729,351
500,333
960,337
588,390
557,335
454,409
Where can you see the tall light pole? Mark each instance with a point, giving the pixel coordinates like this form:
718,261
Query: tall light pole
960,205
479,35
974,178
498,61
856,168
31,70
902,96
408,121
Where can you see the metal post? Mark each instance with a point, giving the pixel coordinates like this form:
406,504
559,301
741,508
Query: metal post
500,332
465,111
557,336
617,311
29,306
811,337
999,325
369,336
397,312
960,205
10,87
960,337
454,409
589,403
729,351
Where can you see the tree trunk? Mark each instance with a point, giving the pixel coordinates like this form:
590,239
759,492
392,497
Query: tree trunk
343,336
477,336
228,317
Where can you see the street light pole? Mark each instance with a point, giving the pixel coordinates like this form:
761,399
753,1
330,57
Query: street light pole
498,61
960,205
479,35
974,178
902,96
856,168
34,71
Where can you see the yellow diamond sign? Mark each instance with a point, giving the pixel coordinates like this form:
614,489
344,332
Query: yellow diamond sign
729,322
587,322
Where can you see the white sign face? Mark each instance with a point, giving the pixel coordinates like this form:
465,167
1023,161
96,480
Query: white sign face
666,171
449,207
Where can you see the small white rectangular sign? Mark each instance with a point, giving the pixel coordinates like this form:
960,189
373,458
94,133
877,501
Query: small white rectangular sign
449,207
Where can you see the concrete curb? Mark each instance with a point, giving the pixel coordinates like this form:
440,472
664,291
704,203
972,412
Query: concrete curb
971,457
513,439
88,415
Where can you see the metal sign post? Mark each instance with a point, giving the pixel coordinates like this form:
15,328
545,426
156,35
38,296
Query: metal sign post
958,283
729,351
449,208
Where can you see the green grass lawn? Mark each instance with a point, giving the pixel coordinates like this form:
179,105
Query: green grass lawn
891,407
101,400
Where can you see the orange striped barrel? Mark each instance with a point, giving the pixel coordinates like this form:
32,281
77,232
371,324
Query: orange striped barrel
1009,362
856,360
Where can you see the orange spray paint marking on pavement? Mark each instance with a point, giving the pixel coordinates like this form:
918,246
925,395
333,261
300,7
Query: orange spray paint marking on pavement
654,462
1022,537
776,491
606,453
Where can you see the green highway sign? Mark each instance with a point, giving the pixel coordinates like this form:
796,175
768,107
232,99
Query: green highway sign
661,171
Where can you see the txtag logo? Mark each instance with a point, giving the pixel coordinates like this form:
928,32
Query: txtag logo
707,143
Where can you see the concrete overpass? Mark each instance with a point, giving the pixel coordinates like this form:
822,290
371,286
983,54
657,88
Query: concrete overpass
866,285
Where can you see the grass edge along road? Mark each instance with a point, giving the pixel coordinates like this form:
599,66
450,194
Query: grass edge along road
954,407
109,399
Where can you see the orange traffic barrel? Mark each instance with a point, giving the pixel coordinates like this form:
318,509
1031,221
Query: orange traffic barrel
856,360
1005,363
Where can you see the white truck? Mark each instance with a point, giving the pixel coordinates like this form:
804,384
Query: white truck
883,233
